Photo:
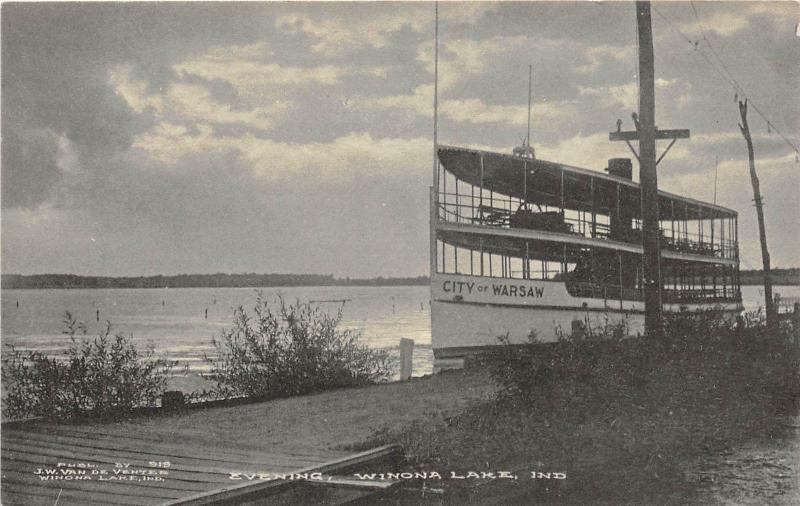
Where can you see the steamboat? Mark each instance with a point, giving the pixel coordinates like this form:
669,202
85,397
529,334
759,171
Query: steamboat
526,247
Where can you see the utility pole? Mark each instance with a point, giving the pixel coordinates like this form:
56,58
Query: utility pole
648,178
647,134
762,233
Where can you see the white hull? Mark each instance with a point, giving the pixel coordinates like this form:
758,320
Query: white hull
470,312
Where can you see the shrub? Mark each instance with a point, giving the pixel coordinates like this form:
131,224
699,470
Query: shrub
627,419
291,349
604,367
102,377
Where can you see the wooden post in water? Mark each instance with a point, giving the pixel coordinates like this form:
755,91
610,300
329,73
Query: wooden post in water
406,358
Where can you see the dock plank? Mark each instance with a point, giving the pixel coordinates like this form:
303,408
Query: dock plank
199,468
54,453
70,495
156,433
48,498
184,480
80,450
116,488
220,452
227,451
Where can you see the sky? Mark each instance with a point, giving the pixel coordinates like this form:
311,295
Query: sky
155,138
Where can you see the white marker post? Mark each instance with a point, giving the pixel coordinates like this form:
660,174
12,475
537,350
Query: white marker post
406,354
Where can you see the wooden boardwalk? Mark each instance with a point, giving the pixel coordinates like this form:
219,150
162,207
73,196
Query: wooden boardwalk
204,445
88,465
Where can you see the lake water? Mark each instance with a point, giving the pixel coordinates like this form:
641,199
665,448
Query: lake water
174,320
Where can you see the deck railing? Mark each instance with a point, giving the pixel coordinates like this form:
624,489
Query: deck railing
785,304
694,295
616,292
598,291
511,213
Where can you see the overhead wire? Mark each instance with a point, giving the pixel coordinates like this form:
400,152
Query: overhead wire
710,46
729,79
770,126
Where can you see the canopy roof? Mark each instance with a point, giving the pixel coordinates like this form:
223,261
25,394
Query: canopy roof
510,175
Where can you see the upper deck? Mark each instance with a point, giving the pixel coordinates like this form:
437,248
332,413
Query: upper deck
538,198
540,181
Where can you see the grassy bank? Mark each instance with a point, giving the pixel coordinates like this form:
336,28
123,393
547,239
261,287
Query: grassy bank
627,421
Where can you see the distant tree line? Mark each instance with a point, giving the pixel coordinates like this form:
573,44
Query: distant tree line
219,280
779,277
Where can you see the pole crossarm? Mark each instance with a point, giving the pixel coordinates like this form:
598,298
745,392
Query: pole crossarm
633,135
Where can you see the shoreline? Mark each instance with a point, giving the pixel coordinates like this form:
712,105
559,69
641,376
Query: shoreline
700,453
306,420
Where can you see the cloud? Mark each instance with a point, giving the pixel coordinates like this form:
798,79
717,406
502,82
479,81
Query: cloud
195,103
191,102
67,158
464,57
135,92
698,153
334,35
250,75
588,151
727,22
419,103
346,156
475,111
30,162
255,75
470,110
626,96
596,56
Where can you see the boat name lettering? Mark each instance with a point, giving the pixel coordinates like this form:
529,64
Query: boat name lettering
458,286
496,289
517,290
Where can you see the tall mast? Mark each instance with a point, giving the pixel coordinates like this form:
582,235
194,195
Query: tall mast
716,173
436,97
526,151
530,87
434,190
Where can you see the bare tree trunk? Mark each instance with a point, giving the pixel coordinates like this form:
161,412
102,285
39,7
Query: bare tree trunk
762,233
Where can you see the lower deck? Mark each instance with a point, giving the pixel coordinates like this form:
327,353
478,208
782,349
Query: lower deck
472,312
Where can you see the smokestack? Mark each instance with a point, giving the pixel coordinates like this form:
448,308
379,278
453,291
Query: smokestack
620,167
